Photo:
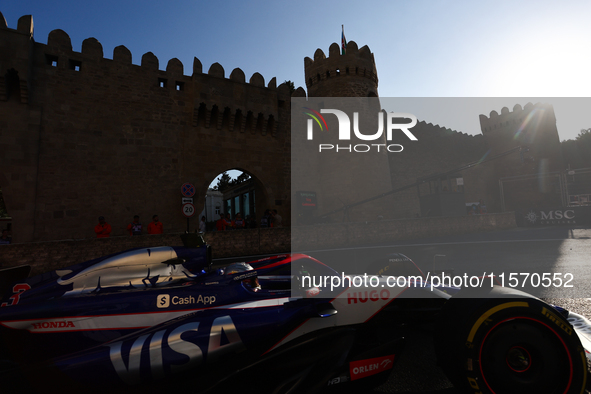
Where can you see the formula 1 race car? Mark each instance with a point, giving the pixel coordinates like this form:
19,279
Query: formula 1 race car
161,318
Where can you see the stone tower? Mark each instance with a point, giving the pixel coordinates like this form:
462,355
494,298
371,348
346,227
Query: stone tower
533,127
531,174
350,75
343,177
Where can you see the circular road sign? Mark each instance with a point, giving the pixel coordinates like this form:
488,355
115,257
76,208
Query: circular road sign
188,190
188,209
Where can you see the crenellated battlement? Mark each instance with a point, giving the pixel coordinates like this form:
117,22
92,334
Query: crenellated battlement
59,45
349,68
514,119
421,124
436,134
241,104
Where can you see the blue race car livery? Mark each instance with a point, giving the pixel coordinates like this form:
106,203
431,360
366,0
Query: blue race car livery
156,318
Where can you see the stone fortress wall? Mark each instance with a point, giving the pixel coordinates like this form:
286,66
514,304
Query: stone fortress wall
82,135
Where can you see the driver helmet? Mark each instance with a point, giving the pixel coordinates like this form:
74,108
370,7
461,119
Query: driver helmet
252,283
238,267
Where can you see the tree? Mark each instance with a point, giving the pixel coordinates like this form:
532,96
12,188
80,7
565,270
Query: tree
241,178
224,182
577,153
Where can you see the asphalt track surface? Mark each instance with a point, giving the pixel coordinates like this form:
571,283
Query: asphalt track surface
519,250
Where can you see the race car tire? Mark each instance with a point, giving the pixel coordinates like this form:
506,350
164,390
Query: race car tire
510,345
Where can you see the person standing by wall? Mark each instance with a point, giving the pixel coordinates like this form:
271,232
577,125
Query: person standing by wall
221,223
135,227
103,229
155,227
266,219
228,225
5,239
277,219
238,222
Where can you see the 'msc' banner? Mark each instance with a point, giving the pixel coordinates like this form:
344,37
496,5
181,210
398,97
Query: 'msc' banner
557,216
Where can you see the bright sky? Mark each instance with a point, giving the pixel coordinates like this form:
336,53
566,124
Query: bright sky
423,48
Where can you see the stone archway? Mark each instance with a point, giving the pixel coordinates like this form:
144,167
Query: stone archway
250,198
